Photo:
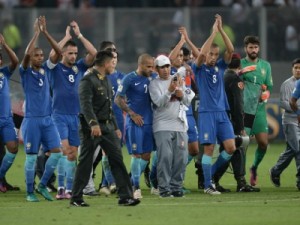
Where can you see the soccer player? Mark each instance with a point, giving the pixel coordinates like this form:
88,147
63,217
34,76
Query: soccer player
214,124
64,81
234,92
133,97
291,128
7,127
38,127
258,82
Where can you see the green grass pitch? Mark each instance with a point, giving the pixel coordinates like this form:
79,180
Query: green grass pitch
271,206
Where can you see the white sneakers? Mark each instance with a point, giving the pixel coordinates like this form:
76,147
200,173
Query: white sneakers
137,194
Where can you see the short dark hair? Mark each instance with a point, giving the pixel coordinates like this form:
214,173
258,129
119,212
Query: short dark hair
296,61
251,40
102,57
185,51
105,44
69,43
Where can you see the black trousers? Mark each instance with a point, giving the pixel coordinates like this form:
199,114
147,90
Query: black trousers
110,143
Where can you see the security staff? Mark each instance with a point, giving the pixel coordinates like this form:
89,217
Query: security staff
98,127
234,92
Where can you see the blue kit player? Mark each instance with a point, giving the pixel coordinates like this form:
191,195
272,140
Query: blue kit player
64,81
133,97
38,127
7,128
213,124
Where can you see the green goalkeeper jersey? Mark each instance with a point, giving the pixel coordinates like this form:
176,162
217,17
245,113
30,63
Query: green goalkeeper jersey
253,81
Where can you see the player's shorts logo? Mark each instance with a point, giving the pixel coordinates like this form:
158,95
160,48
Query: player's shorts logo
28,145
134,147
206,136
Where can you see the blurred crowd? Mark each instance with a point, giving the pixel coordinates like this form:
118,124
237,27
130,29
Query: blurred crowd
67,4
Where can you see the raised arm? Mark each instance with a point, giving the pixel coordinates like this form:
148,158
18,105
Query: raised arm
206,46
30,47
62,42
11,54
227,41
43,28
195,51
92,51
175,51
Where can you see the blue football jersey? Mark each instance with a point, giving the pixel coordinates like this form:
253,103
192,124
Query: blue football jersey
296,91
64,83
211,87
115,79
37,91
135,88
5,104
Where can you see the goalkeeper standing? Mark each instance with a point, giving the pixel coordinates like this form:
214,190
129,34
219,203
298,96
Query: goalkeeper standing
258,84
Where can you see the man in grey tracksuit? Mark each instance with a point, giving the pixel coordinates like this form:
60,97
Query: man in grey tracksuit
290,128
170,100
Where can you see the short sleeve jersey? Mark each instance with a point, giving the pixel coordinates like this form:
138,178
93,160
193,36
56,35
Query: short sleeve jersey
261,75
115,79
135,88
37,91
5,104
64,83
211,87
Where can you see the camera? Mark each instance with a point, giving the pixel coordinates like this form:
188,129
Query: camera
242,141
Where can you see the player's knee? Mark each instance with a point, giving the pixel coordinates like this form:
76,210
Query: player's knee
12,147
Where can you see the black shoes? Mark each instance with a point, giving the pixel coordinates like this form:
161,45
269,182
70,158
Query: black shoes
177,194
92,194
274,179
128,202
221,189
79,203
247,188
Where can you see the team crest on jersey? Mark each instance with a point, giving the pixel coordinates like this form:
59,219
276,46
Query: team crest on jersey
118,81
75,69
120,88
263,72
1,76
216,69
28,145
42,71
134,147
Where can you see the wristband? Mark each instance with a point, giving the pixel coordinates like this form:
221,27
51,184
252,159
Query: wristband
80,36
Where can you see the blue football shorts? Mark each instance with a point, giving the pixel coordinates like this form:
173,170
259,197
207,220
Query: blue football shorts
139,140
37,131
68,128
213,127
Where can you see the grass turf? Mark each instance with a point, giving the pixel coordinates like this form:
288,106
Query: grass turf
270,206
